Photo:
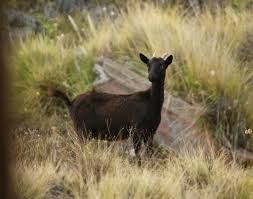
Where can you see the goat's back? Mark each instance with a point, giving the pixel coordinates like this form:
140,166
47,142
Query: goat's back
103,112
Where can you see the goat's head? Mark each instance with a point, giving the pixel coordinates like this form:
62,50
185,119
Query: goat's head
156,67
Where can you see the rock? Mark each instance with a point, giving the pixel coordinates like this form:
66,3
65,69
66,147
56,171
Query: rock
18,19
67,6
178,129
59,192
54,8
50,10
101,75
98,12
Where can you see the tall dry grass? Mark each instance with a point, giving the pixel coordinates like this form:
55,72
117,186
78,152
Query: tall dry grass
41,61
207,67
55,164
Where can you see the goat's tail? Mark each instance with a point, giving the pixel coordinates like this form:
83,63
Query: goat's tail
51,92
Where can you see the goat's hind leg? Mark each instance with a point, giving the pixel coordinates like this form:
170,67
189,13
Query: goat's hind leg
148,141
137,146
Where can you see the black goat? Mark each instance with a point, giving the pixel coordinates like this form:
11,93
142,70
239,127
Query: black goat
111,117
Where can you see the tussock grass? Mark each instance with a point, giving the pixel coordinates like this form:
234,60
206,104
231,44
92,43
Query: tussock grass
42,61
207,68
61,164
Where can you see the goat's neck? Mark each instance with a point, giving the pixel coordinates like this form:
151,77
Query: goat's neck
157,96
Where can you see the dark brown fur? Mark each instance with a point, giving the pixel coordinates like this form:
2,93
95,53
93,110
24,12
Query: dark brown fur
115,117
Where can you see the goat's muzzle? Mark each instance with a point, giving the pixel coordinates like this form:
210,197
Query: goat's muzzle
151,78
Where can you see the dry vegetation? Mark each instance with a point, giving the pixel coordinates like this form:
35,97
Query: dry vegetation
208,70
52,163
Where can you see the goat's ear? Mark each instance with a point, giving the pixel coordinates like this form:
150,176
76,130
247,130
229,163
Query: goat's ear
144,58
168,61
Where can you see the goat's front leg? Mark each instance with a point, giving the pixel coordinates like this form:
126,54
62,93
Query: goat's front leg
137,146
148,141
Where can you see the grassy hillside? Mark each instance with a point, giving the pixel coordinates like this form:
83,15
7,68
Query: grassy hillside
212,67
208,67
213,59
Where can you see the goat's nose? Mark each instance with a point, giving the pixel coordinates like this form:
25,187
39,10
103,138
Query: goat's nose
151,78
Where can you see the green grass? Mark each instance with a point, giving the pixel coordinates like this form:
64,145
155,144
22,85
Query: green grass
49,62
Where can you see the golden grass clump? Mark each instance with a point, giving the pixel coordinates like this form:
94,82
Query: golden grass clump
206,68
59,164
